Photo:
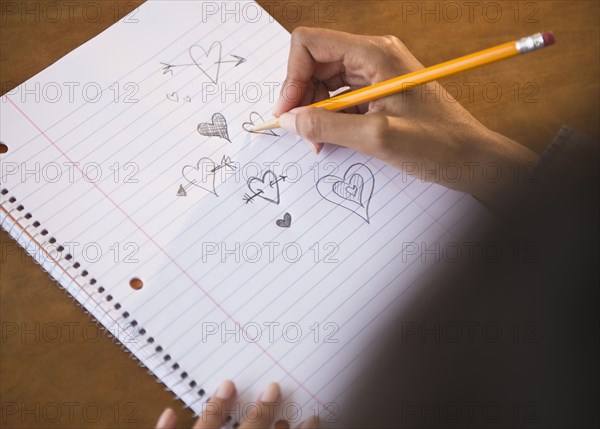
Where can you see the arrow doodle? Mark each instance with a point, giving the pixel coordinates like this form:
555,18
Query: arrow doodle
250,198
238,60
226,162
279,179
196,52
266,188
203,175
168,68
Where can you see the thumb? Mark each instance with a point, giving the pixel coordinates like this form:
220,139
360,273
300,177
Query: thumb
364,133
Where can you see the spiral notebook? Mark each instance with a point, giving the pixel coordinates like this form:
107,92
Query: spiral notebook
209,251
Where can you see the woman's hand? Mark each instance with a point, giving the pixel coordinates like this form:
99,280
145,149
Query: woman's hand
215,411
423,131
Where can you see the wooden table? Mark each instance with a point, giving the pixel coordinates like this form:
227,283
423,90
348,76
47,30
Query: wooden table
59,370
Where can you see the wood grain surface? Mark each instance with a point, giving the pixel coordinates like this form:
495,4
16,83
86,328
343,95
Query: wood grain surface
58,370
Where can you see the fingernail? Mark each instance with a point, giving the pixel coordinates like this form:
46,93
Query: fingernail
225,390
315,147
287,121
167,419
271,394
277,107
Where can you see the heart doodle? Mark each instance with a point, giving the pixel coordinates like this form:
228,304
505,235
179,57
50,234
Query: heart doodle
173,97
197,53
286,222
202,175
266,188
255,119
351,189
352,192
216,128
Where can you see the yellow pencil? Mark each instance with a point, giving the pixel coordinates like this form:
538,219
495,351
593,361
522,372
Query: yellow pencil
429,74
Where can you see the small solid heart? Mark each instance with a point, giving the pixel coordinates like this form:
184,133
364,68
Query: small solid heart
286,222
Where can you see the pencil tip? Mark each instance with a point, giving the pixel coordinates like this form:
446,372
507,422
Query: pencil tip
269,125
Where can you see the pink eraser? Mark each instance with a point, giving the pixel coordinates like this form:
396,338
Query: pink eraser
549,38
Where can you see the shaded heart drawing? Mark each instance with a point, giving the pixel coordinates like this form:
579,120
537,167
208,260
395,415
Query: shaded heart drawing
286,222
255,119
266,188
216,128
353,191
350,189
173,97
197,54
202,175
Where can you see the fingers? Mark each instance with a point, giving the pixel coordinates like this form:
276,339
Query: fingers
214,412
340,59
368,134
263,413
316,91
167,419
321,54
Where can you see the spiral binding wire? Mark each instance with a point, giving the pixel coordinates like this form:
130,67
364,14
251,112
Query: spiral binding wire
81,280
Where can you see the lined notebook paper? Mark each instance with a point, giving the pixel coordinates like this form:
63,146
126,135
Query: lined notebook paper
130,159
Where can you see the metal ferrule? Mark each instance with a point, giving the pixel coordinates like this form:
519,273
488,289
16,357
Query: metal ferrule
531,43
